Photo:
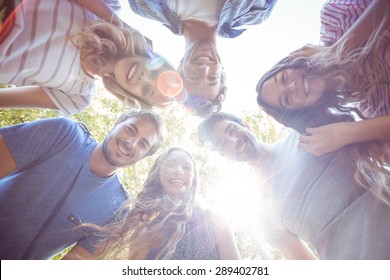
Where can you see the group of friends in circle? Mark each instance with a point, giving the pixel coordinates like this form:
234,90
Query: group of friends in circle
327,183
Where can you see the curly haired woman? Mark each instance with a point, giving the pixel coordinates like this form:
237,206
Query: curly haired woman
56,49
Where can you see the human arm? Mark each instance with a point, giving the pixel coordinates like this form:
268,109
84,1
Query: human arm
100,9
293,248
77,253
226,244
357,34
331,137
25,97
7,161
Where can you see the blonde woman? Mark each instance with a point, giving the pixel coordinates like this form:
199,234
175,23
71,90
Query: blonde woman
165,222
57,49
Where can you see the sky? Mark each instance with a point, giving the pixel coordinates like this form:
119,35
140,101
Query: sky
292,24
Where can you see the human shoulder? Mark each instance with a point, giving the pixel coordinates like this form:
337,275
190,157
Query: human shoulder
61,124
60,129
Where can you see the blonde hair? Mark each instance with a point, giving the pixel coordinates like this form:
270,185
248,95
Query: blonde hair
150,223
100,41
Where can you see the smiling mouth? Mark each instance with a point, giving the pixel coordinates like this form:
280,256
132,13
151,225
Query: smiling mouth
177,182
202,58
306,86
131,71
126,152
240,147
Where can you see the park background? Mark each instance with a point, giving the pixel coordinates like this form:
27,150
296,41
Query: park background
227,187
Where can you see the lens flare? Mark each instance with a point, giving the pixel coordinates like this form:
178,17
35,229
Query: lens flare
155,63
170,83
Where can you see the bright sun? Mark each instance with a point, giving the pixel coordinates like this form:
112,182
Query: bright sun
237,196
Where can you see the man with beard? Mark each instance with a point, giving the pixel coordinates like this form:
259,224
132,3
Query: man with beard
55,176
309,198
200,22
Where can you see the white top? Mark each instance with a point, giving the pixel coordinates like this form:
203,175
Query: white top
201,10
38,51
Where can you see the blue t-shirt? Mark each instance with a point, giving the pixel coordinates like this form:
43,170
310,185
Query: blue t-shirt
52,190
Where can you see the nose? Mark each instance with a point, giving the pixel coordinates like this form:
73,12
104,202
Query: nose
203,70
232,142
179,169
292,87
131,143
141,76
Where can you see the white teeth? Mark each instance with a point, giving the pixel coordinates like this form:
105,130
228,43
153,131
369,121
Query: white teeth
203,58
241,148
306,86
123,150
176,181
127,152
132,71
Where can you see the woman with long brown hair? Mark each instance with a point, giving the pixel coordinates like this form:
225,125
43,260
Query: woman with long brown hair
340,95
164,221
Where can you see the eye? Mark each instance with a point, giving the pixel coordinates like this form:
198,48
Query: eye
232,130
192,78
187,167
145,89
170,165
131,131
287,100
143,145
212,78
154,74
284,78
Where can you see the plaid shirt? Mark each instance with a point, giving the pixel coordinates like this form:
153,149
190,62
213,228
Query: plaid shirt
234,15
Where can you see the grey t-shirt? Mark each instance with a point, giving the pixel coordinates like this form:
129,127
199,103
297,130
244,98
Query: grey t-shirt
318,200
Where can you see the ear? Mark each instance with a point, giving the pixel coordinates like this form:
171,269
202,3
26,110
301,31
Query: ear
246,126
180,67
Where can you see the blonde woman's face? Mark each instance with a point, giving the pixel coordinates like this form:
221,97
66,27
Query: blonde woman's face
177,173
292,89
136,75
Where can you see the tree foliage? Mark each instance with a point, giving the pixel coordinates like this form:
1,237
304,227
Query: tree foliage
181,131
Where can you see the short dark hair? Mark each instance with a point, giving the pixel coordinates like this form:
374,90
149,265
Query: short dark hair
207,125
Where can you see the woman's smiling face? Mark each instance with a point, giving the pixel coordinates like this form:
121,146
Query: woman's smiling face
135,75
292,89
177,173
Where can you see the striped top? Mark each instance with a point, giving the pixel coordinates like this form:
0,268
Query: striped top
337,16
38,51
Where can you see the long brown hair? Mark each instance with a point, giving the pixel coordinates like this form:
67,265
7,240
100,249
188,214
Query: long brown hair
150,222
372,159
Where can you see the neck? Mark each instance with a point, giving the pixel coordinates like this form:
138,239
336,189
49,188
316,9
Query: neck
194,30
262,158
98,163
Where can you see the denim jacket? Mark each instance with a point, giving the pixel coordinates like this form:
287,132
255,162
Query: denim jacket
234,14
